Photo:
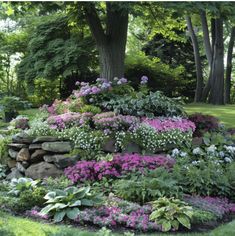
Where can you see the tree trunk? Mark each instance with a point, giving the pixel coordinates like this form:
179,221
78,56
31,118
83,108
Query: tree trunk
229,66
111,42
217,88
207,87
199,86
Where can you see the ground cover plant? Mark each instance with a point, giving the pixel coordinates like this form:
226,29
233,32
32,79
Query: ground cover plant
139,170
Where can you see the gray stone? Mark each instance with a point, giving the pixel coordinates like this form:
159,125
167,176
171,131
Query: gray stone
11,163
43,170
43,139
57,147
132,148
12,153
109,146
35,146
37,156
25,164
23,155
20,167
22,138
14,174
17,146
62,161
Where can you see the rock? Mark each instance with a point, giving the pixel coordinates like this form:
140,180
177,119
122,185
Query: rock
12,153
132,148
23,155
57,147
197,141
11,163
37,156
20,167
62,161
43,170
35,146
14,174
49,158
109,146
22,138
43,139
17,146
25,164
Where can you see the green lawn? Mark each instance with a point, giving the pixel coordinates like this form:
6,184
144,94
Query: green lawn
226,114
26,227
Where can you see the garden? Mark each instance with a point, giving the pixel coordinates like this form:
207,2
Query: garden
106,133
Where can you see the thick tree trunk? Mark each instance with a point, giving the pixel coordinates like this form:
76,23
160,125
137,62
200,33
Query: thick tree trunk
229,66
111,42
199,86
217,88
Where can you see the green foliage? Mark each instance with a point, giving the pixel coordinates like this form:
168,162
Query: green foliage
151,105
69,202
4,148
90,108
56,183
217,139
45,91
17,186
13,104
148,186
200,216
2,171
170,213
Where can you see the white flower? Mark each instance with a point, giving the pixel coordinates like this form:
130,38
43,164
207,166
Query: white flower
212,149
230,149
183,154
175,152
197,151
221,153
227,159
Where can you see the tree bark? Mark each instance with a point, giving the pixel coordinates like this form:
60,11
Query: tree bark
207,87
111,43
217,87
229,66
199,86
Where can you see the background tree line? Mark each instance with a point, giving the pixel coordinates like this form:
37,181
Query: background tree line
186,49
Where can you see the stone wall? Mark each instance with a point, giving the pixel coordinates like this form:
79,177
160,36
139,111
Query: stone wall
38,158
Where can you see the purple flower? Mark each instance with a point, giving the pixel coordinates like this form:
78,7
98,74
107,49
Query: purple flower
122,81
144,80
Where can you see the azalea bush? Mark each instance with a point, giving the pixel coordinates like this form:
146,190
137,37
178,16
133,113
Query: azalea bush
121,164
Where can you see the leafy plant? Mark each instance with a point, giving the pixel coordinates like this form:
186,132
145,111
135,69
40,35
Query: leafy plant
2,171
146,186
201,216
17,186
216,139
171,213
69,202
13,104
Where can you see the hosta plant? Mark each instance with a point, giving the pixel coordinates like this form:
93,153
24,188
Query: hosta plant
69,202
17,186
170,213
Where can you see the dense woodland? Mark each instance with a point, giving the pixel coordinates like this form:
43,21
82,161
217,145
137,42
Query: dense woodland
186,49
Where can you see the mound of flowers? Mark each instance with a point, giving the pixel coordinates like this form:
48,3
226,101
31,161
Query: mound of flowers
120,165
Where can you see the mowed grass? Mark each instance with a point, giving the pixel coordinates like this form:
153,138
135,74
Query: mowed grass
27,227
226,114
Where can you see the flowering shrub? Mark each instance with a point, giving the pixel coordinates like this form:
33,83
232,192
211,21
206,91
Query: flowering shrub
204,123
93,170
216,205
21,122
68,119
165,124
110,121
151,140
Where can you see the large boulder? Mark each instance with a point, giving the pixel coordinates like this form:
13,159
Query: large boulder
132,148
11,163
43,170
109,146
35,146
15,173
17,146
37,156
57,147
20,167
23,155
61,161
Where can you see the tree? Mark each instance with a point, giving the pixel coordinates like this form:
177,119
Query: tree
111,40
